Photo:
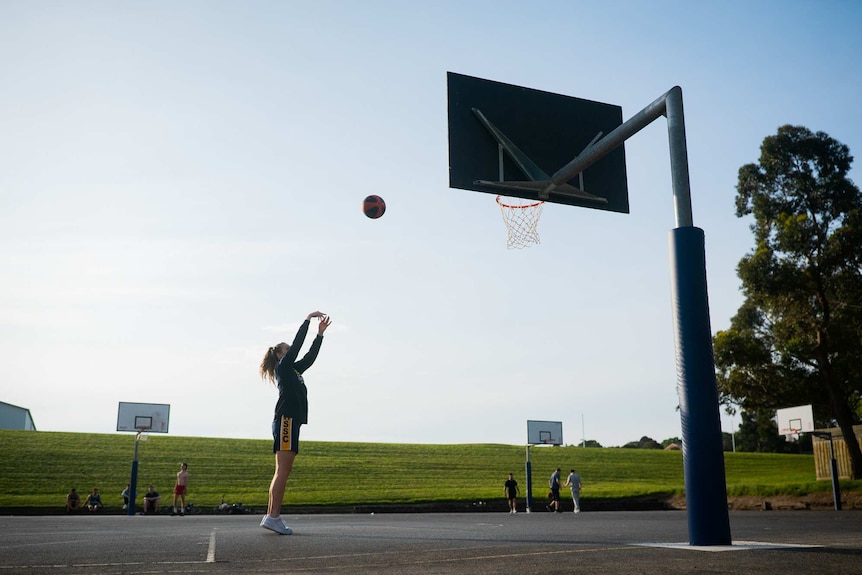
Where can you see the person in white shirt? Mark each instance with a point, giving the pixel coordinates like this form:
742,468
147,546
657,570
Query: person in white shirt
573,481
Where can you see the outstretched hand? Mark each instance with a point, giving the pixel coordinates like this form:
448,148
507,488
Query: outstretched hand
324,323
316,314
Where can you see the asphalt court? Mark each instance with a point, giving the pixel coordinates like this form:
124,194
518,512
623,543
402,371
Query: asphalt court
473,543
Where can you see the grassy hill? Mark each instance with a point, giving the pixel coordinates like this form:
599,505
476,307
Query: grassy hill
37,469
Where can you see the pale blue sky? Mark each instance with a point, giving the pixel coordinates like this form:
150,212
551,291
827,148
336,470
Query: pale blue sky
181,184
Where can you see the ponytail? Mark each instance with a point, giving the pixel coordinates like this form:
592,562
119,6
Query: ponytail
268,365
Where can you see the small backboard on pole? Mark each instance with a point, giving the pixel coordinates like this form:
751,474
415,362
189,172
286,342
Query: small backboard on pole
795,420
143,417
544,432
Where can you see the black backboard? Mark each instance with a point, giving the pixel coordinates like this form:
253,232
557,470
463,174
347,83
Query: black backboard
548,129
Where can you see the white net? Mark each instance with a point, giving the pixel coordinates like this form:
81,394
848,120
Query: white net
521,218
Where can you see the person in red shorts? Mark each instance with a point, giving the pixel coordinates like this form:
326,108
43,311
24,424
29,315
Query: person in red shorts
180,489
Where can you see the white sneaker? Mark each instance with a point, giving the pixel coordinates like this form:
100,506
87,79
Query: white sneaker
514,511
275,524
280,518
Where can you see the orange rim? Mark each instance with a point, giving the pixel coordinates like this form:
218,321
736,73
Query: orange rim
540,202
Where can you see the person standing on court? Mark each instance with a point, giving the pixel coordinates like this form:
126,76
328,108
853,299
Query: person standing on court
554,484
180,489
573,482
512,491
281,367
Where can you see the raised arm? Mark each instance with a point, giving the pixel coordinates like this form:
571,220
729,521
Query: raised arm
293,351
309,357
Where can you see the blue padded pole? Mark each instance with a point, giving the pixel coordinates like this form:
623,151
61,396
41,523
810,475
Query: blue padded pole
133,480
529,472
702,451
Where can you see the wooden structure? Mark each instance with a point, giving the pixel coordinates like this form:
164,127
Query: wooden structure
822,456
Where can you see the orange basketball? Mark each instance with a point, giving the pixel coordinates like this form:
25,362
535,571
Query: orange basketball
373,206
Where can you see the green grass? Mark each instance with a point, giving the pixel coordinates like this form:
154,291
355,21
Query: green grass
37,469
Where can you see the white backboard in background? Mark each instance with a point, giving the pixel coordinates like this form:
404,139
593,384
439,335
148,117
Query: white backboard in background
544,432
150,417
795,420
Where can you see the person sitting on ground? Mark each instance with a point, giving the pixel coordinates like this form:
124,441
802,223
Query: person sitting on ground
151,500
73,501
94,500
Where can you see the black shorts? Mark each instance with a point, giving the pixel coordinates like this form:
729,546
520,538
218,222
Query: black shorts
285,434
555,494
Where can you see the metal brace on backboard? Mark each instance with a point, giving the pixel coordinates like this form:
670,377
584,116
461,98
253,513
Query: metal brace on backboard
539,181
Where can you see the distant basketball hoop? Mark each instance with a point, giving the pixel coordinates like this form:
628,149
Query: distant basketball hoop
792,421
143,419
544,432
540,433
149,417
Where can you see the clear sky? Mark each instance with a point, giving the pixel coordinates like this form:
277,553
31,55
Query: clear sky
180,185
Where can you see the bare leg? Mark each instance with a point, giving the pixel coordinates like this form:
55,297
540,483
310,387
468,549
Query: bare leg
283,467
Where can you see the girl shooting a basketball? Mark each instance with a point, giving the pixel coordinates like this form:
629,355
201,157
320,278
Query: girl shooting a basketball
280,367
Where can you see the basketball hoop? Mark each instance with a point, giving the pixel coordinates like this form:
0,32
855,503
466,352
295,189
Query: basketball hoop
143,433
521,218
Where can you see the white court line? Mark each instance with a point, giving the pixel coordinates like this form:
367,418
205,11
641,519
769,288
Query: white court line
434,560
211,548
735,546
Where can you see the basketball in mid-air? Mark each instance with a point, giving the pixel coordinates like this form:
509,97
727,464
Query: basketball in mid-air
373,206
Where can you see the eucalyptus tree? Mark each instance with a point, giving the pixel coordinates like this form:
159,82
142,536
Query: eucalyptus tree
797,337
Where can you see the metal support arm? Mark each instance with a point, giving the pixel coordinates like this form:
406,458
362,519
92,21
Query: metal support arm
669,104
